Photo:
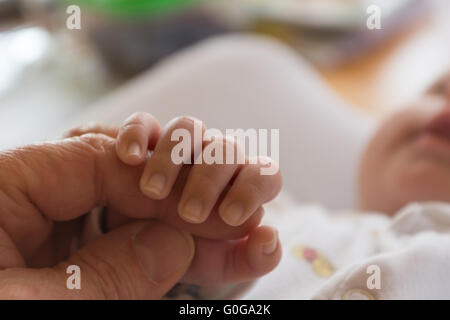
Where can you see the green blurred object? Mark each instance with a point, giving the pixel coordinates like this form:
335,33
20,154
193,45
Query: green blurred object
133,8
132,35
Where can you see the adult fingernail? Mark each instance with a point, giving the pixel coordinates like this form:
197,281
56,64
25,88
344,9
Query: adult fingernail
233,214
269,247
134,149
156,183
163,251
192,211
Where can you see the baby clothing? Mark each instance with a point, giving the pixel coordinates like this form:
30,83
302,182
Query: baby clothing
352,255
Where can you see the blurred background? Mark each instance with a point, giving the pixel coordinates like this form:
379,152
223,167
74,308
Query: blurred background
49,73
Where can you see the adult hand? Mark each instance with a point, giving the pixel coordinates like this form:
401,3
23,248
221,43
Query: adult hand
45,190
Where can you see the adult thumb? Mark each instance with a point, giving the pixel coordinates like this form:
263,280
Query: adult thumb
141,260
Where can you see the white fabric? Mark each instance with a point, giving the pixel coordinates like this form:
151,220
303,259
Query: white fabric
411,250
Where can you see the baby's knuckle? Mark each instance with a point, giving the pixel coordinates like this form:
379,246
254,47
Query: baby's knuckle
132,127
185,122
136,118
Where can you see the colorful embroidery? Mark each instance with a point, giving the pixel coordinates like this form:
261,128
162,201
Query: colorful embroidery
321,266
357,294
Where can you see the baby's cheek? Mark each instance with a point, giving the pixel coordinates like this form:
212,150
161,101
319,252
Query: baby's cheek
422,179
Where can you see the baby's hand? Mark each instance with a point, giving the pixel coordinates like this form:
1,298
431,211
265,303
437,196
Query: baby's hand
237,190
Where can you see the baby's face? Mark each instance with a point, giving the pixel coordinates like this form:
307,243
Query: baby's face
408,159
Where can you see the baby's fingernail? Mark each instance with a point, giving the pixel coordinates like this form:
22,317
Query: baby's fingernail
270,247
134,149
233,214
156,183
193,211
163,251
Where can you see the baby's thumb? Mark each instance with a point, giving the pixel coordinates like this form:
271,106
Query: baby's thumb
142,260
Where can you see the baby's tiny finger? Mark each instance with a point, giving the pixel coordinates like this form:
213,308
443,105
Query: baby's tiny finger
206,182
170,154
220,262
138,133
249,191
262,252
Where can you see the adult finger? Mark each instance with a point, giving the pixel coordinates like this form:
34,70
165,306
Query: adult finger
132,262
108,130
